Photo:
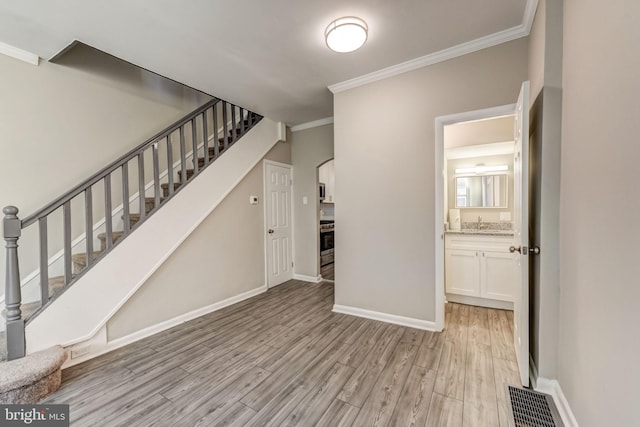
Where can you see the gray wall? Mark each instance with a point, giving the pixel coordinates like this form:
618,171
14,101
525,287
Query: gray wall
545,71
310,148
598,342
385,199
223,257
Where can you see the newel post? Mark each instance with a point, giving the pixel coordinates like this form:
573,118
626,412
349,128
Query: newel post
13,299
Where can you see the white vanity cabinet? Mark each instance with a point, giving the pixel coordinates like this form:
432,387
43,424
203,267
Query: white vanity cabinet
480,267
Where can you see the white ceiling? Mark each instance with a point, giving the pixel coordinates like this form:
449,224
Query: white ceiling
269,56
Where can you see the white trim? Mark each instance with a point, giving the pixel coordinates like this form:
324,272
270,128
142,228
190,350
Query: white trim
313,124
552,387
480,302
491,40
306,278
22,55
385,317
529,14
431,59
440,123
167,324
440,179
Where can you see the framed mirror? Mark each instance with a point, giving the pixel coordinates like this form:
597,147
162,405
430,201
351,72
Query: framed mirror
484,191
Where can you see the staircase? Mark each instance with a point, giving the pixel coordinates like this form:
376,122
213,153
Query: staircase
197,140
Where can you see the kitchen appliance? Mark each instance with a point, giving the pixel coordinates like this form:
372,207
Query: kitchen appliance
326,242
322,192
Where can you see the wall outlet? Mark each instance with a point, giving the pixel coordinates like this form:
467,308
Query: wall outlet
505,216
80,351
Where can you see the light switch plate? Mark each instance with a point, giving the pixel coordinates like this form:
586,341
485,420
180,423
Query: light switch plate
305,200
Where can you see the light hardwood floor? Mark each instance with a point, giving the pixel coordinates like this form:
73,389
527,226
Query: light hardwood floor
283,358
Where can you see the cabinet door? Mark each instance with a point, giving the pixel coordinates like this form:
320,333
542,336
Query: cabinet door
331,184
498,276
462,272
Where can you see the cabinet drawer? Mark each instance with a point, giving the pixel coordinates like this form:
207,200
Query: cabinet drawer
479,242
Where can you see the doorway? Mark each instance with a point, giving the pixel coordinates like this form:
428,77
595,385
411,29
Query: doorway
326,219
474,266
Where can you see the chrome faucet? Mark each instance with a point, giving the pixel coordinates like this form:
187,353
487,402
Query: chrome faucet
479,223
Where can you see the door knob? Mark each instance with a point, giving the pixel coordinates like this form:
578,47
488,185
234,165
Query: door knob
270,231
533,250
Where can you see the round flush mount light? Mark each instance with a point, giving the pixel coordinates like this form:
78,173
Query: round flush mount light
346,34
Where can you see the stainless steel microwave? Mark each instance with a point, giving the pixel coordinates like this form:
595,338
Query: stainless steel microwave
322,191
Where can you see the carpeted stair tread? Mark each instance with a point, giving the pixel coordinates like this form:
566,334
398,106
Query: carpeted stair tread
28,308
133,219
150,203
32,378
79,261
165,188
103,238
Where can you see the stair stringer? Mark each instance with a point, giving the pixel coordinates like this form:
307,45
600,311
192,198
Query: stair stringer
83,309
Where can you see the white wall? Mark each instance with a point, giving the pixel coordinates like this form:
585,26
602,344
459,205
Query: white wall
598,342
223,258
310,148
385,169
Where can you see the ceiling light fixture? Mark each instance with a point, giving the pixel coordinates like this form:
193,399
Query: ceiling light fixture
346,34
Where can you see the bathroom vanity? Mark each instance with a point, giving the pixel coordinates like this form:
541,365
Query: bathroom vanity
479,269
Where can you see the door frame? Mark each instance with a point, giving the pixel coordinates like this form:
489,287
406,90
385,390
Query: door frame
265,226
440,123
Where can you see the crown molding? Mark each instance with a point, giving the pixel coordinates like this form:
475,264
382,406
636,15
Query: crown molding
495,39
529,14
20,54
313,124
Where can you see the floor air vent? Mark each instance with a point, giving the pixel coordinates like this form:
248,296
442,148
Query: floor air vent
532,409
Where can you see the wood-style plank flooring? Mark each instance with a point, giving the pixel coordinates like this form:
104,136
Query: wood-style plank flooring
283,358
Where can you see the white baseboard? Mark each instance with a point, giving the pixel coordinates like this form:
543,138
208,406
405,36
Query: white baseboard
385,317
162,326
306,278
552,387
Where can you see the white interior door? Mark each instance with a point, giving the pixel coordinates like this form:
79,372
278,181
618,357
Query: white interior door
520,249
278,223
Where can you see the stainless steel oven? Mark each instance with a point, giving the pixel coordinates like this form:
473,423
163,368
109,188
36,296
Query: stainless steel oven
326,242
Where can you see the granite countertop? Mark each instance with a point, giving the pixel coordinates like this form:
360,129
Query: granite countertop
475,231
